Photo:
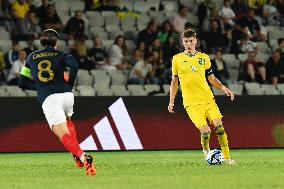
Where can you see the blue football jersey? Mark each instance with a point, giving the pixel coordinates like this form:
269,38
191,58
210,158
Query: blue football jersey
47,68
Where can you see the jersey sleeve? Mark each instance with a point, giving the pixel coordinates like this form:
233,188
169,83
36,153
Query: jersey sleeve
72,63
208,69
25,71
26,80
174,67
207,62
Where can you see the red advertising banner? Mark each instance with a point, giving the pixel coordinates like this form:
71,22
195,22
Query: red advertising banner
142,124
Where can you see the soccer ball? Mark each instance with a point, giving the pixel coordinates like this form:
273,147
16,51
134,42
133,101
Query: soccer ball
215,157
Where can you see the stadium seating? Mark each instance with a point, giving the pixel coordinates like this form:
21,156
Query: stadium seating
151,88
31,93
15,91
104,92
136,90
231,60
270,89
217,92
85,90
166,88
119,90
236,88
108,24
234,74
84,78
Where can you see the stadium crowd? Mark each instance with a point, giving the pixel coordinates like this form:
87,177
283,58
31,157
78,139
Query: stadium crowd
245,39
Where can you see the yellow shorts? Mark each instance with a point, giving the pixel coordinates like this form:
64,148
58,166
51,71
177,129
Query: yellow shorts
199,113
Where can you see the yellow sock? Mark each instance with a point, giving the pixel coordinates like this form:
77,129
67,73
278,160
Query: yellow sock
205,137
223,141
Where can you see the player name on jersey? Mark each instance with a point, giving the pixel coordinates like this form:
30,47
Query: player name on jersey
44,54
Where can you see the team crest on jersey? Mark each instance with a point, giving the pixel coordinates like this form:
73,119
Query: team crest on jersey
193,68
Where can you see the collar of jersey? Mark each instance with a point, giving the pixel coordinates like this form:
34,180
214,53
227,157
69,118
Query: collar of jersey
189,55
49,47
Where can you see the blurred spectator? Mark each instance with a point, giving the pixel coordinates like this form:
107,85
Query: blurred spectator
79,51
170,49
247,24
214,16
28,28
93,4
12,55
270,13
32,7
280,8
214,39
226,13
165,31
75,26
98,55
239,7
41,11
253,70
51,19
275,68
118,54
141,47
136,56
143,71
156,46
31,47
219,68
245,44
4,12
2,66
280,42
14,74
250,26
256,5
19,9
180,19
159,68
32,26
149,34
203,11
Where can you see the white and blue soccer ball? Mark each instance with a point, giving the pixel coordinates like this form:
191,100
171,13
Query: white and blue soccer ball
215,157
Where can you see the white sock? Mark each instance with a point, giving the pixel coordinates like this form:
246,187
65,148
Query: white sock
82,158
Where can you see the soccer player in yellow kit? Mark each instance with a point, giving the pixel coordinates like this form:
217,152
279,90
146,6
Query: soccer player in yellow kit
191,68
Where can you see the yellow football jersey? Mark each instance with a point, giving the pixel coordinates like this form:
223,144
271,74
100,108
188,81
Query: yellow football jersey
191,73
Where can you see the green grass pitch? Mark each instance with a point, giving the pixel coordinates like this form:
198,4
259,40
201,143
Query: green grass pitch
144,169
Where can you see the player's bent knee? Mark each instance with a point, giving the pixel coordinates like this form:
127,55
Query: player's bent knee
204,128
220,130
217,122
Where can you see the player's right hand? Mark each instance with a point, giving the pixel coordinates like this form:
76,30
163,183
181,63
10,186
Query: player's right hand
171,107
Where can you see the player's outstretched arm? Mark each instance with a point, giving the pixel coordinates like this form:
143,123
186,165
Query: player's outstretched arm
216,83
25,80
173,92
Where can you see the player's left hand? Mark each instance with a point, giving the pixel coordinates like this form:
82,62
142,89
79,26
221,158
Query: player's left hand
171,107
228,92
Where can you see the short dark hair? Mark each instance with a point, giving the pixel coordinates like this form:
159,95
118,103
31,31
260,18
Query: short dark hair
278,51
280,40
218,50
188,33
49,37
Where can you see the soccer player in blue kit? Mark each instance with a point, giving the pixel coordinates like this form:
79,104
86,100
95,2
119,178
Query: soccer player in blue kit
44,72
